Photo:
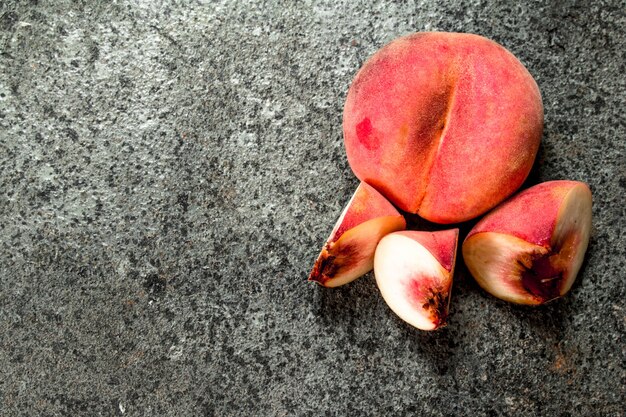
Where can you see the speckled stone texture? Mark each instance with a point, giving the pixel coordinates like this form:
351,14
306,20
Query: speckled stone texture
169,172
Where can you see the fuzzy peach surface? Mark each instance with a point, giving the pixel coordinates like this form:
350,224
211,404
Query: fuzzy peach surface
445,125
538,205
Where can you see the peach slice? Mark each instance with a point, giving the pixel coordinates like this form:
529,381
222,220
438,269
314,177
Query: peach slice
349,251
530,248
444,125
414,274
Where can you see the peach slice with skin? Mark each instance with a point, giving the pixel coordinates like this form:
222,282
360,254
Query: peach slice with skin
530,248
349,251
414,272
444,125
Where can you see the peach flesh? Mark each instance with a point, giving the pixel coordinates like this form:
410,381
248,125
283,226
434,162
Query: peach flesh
414,274
445,125
430,296
349,250
530,249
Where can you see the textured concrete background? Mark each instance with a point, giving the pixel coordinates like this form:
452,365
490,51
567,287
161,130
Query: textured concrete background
169,171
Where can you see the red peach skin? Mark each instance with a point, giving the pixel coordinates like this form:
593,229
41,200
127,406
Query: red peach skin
445,125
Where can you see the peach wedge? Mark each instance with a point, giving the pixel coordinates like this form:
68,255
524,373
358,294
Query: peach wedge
530,248
349,251
444,125
414,274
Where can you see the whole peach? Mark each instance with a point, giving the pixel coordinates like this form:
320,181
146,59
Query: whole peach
445,125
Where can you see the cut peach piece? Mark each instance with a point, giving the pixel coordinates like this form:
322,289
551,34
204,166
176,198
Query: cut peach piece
530,248
444,125
414,274
349,251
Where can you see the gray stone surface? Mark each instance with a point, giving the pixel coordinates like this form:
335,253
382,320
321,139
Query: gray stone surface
169,171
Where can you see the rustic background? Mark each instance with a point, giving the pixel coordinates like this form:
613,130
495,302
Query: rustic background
169,171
